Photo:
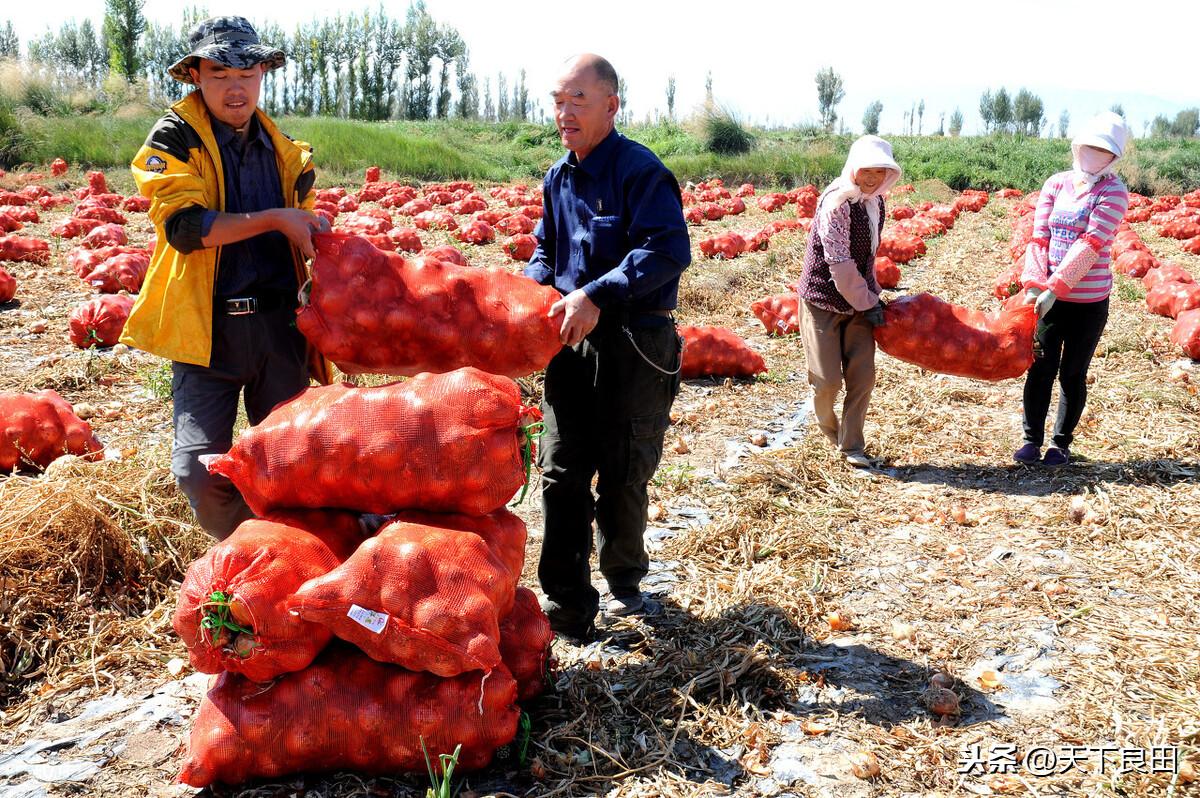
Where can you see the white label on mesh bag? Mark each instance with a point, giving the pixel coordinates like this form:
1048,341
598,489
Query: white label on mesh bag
375,621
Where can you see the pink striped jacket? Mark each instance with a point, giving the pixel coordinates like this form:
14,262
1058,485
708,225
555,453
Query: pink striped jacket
1061,219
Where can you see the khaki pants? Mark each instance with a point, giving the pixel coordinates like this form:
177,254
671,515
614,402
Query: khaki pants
839,348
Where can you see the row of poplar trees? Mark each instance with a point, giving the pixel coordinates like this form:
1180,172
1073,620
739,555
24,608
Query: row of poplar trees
360,66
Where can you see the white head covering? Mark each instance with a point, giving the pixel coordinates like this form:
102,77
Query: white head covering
867,152
1108,132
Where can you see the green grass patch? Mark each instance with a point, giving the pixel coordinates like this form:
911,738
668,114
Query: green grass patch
441,149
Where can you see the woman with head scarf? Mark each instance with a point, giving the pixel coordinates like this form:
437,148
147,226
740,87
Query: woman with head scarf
840,296
1067,276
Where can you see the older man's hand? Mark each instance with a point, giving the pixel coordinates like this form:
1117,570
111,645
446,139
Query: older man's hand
580,315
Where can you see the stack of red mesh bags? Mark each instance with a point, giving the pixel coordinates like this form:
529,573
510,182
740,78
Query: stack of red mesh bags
340,650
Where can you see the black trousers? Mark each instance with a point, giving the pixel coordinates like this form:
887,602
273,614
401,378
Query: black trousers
1067,337
606,413
261,354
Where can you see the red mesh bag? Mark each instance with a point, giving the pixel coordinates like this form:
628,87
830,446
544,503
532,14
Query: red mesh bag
694,215
448,253
1171,299
521,246
120,272
12,198
347,205
887,273
372,192
717,352
1164,203
361,224
372,175
8,286
99,321
902,212
921,226
946,214
106,235
9,223
379,241
735,206
440,197
744,190
435,220
442,442
1169,272
232,613
377,312
806,205
58,167
1135,263
525,637
723,245
96,183
1138,215
1180,228
515,225
1185,334
1008,193
784,226
73,228
1192,245
772,202
949,339
494,215
82,261
21,213
405,239
38,428
475,232
23,248
136,204
900,247
467,205
1124,242
780,313
712,211
1007,283
415,207
534,212
427,593
1021,236
347,712
971,201
106,215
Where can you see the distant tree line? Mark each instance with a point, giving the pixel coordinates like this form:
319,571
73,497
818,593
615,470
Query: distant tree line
360,66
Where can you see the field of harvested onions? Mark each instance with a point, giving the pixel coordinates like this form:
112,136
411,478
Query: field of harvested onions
809,607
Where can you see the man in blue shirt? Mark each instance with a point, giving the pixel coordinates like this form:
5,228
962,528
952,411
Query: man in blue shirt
613,240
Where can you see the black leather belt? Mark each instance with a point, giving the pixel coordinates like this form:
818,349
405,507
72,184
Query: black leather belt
245,305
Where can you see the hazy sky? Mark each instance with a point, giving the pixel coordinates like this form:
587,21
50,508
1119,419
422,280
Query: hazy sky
1078,56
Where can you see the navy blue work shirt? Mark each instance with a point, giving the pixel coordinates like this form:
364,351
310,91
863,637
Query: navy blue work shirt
263,264
613,225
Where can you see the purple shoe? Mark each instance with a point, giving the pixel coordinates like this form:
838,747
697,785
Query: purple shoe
1056,457
1028,454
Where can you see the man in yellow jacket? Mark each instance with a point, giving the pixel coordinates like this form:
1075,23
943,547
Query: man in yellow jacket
231,200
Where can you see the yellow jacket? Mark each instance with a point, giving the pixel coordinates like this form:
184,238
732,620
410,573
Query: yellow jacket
180,166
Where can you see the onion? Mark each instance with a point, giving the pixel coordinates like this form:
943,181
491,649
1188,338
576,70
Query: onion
943,680
864,764
941,701
840,621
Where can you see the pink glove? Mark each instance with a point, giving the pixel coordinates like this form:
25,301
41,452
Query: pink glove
1079,259
1037,266
851,285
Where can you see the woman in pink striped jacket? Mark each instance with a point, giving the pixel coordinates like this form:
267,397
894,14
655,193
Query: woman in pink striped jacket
1067,275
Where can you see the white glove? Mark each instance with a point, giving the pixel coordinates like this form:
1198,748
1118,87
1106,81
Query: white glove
1044,302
